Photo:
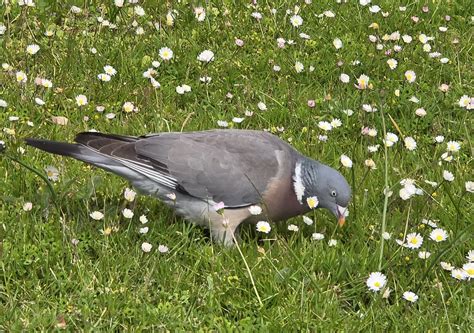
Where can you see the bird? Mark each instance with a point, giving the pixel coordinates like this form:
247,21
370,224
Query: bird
217,179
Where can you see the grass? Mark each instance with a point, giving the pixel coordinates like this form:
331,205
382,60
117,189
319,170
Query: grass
106,282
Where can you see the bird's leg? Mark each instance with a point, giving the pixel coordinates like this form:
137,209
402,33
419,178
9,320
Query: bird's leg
225,231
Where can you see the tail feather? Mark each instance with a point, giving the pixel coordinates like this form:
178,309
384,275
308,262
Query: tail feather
86,137
75,150
54,147
86,154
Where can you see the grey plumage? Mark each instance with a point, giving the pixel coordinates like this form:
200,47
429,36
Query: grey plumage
238,167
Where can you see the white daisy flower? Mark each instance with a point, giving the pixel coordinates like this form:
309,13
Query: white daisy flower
346,161
96,215
296,21
376,281
469,269
410,296
317,236
81,100
255,210
127,213
165,53
206,56
293,228
448,176
446,266
438,235
263,226
410,76
459,274
146,247
414,240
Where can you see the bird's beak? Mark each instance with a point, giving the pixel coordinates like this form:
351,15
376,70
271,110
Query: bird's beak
341,213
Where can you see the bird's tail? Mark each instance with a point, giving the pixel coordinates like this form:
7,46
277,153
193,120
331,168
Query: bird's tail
93,148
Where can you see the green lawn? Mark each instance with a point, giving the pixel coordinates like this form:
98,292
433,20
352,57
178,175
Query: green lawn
62,269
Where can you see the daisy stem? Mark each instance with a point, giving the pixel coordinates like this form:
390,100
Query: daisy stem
248,270
39,174
386,189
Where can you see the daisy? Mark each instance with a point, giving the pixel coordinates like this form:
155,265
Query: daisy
332,242
296,21
376,281
293,228
21,77
81,100
312,202
424,254
464,101
222,123
307,220
110,70
469,186
165,53
143,219
420,112
325,126
410,76
346,161
459,274
344,78
128,107
414,240
453,146
470,256
337,43
52,173
255,210
386,235
200,13
410,296
32,49
370,164
317,236
469,269
446,266
129,194
3,103
299,67
96,215
143,230
448,176
146,247
438,235
263,226
104,77
392,63
169,19
262,106
139,10
390,139
363,82
27,206
206,56
163,248
410,143
336,123
127,213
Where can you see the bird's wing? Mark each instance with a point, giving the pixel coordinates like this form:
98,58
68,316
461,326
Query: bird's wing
234,167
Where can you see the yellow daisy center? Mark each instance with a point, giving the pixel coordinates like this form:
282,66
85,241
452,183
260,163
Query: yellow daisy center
377,284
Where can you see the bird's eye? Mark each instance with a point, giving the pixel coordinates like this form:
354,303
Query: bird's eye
333,193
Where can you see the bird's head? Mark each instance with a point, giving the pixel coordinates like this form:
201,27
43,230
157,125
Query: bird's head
319,186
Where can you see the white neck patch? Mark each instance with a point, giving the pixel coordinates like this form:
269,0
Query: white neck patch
298,183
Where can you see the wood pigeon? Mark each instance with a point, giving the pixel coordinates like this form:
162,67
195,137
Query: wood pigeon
213,178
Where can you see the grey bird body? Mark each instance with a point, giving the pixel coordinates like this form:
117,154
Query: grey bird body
192,172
